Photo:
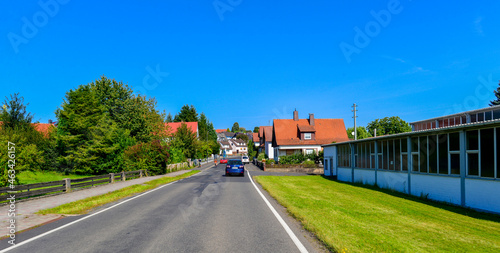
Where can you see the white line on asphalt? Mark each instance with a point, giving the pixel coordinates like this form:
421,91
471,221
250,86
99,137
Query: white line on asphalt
86,217
282,222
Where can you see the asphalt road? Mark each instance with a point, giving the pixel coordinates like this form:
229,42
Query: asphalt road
207,212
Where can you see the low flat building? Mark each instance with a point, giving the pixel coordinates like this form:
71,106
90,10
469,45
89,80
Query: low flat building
450,162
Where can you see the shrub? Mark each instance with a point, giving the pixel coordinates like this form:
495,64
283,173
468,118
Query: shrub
261,157
152,156
308,162
270,161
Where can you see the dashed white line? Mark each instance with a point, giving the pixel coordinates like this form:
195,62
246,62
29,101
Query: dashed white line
290,233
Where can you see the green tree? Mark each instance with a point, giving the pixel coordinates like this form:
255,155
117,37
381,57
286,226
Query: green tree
497,95
185,140
242,137
187,114
14,114
256,129
235,128
98,121
169,118
228,130
362,133
388,125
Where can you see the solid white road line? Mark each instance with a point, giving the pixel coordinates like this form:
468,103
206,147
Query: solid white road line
290,233
86,217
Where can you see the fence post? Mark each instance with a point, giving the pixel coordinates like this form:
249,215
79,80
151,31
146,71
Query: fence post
123,176
112,176
68,184
140,173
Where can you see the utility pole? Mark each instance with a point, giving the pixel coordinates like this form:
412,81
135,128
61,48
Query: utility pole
355,129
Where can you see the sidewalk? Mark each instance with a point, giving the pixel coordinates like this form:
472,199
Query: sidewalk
25,211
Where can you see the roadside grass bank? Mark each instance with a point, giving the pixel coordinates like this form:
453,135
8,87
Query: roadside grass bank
353,218
85,205
33,177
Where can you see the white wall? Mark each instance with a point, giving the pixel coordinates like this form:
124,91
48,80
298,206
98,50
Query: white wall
364,176
344,174
483,194
269,149
441,188
397,181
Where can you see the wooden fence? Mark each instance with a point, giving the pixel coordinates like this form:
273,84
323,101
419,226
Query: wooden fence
64,186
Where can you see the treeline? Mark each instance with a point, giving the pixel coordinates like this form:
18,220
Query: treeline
102,127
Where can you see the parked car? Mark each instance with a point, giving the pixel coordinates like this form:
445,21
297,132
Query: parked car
235,166
245,160
223,160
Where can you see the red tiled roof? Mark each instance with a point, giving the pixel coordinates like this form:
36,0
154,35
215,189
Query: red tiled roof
193,126
220,130
268,133
327,131
43,128
307,129
255,137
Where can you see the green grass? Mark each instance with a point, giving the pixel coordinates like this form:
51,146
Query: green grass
85,205
33,177
354,218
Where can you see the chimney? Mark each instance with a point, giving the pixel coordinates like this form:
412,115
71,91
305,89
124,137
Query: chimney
295,115
311,119
50,121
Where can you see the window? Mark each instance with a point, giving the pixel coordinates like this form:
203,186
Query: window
309,151
454,151
472,153
432,142
487,153
414,153
443,154
487,115
307,136
496,114
343,155
423,154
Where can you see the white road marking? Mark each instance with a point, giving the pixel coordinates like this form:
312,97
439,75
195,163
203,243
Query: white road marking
290,233
86,217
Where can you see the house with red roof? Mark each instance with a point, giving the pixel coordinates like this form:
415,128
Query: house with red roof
44,128
173,126
220,130
256,139
292,136
266,141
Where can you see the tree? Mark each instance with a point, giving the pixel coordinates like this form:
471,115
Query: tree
362,133
187,114
98,121
228,130
14,113
242,137
185,140
256,129
388,125
497,95
169,118
235,128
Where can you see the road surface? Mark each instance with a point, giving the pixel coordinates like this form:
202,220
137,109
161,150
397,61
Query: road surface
208,212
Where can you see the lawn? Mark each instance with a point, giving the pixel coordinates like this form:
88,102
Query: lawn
33,177
85,205
353,218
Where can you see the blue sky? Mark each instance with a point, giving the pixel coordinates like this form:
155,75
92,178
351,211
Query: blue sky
254,61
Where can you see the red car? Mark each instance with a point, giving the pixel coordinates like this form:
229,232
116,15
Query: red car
223,160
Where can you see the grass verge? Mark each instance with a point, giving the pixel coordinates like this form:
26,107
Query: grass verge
33,177
85,205
352,218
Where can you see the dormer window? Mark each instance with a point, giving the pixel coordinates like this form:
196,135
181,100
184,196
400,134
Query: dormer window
307,136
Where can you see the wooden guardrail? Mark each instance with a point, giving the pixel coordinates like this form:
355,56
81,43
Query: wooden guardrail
66,185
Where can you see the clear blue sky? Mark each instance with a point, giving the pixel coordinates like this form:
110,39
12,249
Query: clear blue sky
260,60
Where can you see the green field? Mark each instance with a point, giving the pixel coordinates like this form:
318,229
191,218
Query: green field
33,177
353,218
85,205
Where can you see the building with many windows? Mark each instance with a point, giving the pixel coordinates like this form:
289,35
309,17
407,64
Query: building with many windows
444,161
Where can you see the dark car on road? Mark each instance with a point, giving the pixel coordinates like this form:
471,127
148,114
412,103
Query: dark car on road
235,166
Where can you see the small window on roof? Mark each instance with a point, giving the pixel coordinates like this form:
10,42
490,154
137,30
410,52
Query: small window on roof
307,136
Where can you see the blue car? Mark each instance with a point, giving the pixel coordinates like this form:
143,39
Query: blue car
235,166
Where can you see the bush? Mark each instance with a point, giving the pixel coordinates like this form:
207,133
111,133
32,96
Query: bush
308,162
270,161
152,156
261,157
